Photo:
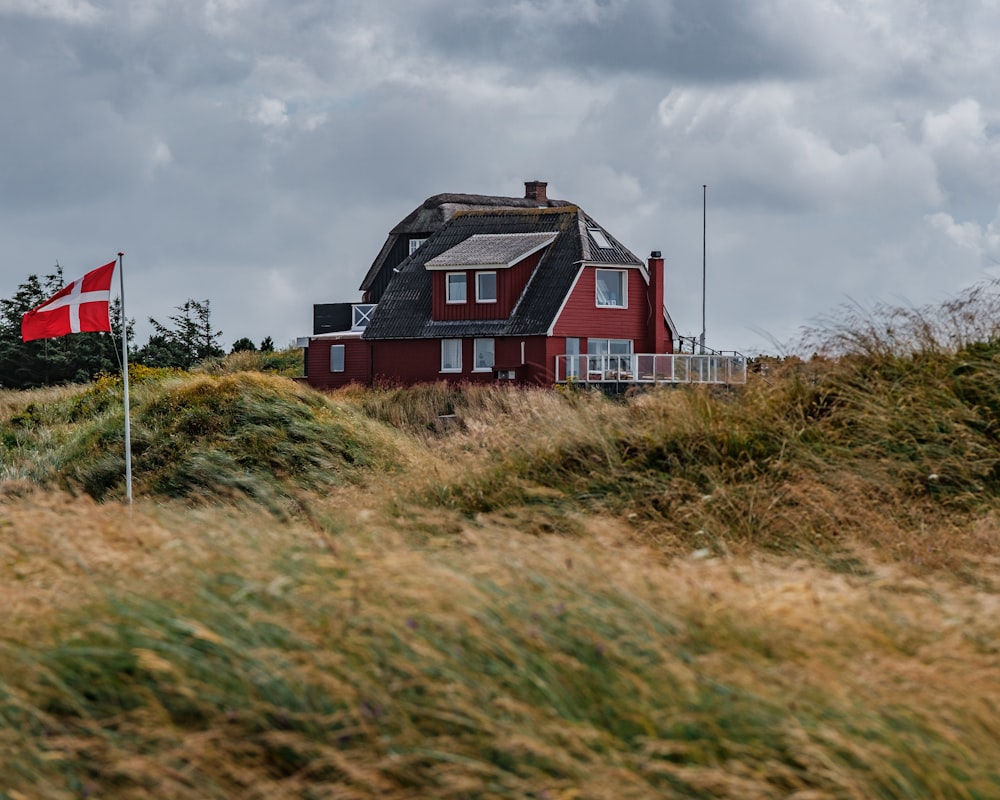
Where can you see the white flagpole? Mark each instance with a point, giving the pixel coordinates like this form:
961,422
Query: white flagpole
128,432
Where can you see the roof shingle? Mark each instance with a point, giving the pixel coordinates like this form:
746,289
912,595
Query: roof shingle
491,250
404,312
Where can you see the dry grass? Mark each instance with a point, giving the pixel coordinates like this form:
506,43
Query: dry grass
788,590
177,652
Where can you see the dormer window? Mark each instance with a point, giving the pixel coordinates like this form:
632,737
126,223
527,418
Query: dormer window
486,287
483,276
455,283
415,243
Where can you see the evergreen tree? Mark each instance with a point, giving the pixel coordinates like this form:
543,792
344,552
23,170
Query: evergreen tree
244,345
189,340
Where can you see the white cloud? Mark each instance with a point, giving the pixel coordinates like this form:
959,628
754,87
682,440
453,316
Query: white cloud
223,16
966,149
982,240
762,136
77,12
962,126
159,156
270,112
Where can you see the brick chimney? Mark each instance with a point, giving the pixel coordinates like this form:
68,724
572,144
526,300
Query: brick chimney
657,336
535,190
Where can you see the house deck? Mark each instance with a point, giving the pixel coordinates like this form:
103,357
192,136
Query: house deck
652,369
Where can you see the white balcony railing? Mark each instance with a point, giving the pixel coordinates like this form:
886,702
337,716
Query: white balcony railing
361,315
650,368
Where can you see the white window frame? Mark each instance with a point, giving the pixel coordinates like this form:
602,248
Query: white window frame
479,293
609,347
622,277
451,355
415,243
338,357
572,357
479,348
447,288
614,355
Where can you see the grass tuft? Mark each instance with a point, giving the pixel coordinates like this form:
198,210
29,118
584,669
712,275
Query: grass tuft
239,435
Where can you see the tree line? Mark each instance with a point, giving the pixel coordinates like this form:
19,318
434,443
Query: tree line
184,340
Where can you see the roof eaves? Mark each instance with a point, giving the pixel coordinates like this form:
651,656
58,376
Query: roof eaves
533,250
614,265
348,334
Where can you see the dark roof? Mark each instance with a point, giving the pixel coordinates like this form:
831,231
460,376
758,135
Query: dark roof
404,312
435,212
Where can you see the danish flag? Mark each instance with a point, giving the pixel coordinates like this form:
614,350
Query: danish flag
82,306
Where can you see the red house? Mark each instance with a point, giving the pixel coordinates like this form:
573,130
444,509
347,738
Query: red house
482,288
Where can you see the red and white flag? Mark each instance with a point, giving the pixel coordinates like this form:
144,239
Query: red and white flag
82,306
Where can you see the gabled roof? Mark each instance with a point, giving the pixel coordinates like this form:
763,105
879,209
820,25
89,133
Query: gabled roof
404,311
436,211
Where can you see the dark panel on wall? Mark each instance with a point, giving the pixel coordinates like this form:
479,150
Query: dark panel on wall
331,317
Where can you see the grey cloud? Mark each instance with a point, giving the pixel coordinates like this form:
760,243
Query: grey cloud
713,41
257,152
706,42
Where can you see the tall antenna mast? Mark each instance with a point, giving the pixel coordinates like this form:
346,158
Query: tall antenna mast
704,228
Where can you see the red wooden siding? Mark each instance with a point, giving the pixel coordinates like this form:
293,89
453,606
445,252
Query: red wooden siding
356,363
510,284
410,361
582,317
534,370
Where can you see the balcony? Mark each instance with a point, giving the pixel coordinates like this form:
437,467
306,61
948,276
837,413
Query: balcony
726,368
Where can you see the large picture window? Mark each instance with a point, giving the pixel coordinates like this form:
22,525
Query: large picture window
611,288
455,287
609,355
451,355
486,287
483,355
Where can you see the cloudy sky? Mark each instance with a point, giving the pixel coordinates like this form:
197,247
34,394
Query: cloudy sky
256,153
